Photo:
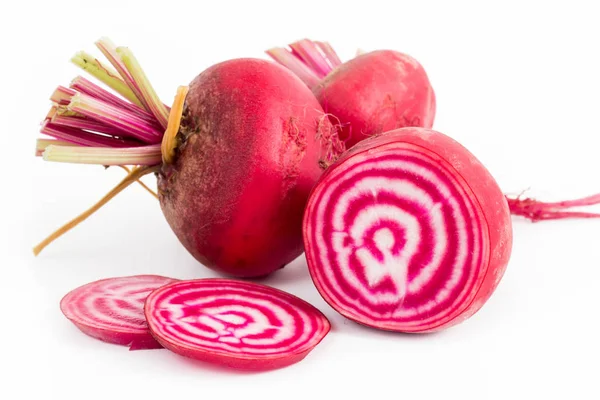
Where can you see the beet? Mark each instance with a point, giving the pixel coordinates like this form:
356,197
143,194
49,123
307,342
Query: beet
112,309
370,94
235,156
234,324
253,141
407,232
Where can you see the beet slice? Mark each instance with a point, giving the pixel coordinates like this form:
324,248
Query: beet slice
112,309
236,324
407,232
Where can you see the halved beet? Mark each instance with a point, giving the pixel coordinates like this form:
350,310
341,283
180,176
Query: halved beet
236,324
408,232
112,309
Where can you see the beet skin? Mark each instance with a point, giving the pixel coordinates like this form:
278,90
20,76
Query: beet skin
252,143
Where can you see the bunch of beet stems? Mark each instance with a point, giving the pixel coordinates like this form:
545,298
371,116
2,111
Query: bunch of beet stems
313,61
88,124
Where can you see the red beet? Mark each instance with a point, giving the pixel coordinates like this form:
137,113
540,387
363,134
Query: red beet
373,93
253,142
408,232
112,310
235,324
236,155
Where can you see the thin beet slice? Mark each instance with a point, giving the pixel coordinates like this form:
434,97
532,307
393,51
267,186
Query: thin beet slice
407,232
236,324
112,309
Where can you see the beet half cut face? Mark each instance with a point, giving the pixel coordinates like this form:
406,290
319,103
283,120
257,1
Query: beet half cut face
407,232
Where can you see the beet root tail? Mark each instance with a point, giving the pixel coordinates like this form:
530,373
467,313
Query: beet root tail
536,211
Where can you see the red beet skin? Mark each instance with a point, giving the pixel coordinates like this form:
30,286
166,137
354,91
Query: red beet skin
253,141
407,232
377,92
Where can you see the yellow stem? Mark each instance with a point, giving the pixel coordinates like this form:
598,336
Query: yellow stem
152,192
131,177
167,147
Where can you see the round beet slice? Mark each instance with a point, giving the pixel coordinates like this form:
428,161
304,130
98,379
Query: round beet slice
112,309
236,324
408,232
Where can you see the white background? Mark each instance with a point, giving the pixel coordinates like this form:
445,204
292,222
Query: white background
517,83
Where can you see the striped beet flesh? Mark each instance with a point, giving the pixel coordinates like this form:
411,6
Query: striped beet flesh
235,324
112,309
407,232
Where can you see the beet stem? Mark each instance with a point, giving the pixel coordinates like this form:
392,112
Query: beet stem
330,54
146,90
310,60
141,155
94,126
142,184
121,119
294,64
105,74
109,50
169,139
85,86
310,54
41,144
80,137
131,177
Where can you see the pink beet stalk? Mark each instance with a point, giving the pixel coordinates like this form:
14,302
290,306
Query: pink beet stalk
129,69
296,65
330,54
121,119
81,137
112,310
236,324
310,61
87,124
108,49
62,96
83,85
310,53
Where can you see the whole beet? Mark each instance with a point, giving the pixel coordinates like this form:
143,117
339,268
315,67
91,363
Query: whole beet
377,92
252,143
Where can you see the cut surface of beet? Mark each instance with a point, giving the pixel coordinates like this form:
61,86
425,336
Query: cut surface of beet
407,232
235,324
112,309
